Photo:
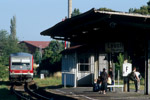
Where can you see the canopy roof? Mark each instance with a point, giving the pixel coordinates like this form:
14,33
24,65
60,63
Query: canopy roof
95,25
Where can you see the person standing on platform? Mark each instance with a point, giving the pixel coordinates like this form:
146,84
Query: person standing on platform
104,78
111,75
137,79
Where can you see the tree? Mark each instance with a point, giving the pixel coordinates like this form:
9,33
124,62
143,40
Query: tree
75,12
142,10
37,56
51,59
13,27
105,9
8,45
3,72
119,64
148,3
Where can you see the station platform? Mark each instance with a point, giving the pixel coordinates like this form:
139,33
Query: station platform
86,93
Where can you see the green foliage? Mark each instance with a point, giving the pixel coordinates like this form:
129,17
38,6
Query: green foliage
142,10
8,45
52,58
51,81
75,12
105,9
119,64
3,72
13,27
37,56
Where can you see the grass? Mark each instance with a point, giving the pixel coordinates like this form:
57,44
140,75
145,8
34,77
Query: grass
5,93
132,86
50,81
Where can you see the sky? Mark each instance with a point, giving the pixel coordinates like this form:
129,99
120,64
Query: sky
35,16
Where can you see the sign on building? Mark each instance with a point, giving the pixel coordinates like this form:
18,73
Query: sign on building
114,47
127,69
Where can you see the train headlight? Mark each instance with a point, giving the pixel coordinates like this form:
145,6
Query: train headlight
13,72
20,67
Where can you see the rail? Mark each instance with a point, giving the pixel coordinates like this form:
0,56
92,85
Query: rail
41,97
19,94
29,91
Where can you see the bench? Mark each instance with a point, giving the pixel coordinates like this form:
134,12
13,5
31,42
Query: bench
114,86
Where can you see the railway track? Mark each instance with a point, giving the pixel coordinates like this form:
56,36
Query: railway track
23,92
30,91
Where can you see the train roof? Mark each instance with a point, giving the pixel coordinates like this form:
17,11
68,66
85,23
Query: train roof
20,54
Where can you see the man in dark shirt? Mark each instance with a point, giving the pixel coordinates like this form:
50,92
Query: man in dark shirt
104,78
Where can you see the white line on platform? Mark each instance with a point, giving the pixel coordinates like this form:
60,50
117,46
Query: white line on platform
88,97
60,91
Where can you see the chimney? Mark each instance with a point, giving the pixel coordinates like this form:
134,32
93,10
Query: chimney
69,8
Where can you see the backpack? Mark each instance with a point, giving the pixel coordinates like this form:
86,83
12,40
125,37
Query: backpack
132,76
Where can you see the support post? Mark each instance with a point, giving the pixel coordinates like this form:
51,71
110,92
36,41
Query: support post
147,67
118,76
64,80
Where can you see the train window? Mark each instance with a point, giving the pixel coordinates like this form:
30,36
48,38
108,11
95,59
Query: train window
18,63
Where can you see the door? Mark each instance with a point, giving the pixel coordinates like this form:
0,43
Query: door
103,62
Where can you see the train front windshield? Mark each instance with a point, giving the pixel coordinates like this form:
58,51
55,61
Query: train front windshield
21,63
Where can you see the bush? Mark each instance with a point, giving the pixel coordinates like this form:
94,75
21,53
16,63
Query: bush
4,73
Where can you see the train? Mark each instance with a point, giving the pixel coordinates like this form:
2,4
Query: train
21,67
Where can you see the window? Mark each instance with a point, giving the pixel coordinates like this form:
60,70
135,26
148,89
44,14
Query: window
19,63
84,64
84,68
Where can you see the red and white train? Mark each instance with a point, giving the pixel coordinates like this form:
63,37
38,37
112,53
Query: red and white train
21,67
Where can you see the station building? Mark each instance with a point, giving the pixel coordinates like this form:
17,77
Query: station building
100,36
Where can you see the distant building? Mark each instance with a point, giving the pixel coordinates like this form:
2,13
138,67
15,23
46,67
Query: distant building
33,45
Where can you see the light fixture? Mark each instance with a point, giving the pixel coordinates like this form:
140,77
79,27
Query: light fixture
95,29
84,32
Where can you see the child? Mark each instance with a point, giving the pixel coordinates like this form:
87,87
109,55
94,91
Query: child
95,86
99,82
